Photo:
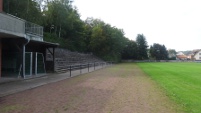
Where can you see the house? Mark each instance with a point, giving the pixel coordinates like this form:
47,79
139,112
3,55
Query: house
181,56
22,49
197,55
190,56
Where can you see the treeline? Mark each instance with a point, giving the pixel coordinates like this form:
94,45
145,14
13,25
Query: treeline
62,24
138,50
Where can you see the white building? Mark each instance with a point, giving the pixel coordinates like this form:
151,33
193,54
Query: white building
197,55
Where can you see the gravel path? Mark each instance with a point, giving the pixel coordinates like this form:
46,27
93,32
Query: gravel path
122,88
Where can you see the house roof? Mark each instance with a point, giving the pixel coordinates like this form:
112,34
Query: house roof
181,56
180,53
196,51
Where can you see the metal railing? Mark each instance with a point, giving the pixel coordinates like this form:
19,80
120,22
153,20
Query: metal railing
12,25
95,66
62,67
34,29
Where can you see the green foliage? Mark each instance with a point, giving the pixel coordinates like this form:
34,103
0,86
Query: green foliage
158,52
181,81
25,9
64,21
141,47
106,41
172,54
63,43
130,50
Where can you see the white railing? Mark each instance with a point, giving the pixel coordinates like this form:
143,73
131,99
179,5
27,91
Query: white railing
34,29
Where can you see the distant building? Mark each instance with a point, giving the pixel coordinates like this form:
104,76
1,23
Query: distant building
197,55
181,56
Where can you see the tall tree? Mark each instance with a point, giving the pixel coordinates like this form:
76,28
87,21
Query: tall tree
25,9
172,54
130,50
142,47
158,52
164,53
106,41
64,21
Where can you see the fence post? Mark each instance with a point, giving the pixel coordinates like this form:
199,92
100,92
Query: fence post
80,69
94,66
88,67
70,70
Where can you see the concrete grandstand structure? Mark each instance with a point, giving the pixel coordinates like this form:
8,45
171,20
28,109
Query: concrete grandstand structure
65,58
24,53
22,49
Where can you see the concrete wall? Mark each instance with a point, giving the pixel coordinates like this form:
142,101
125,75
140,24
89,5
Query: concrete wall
12,25
1,5
0,57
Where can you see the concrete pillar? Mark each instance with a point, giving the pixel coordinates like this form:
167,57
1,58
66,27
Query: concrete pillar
23,61
1,5
54,59
0,57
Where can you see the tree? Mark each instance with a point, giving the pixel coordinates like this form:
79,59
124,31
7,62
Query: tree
106,41
25,9
64,21
164,53
158,52
141,47
172,54
130,50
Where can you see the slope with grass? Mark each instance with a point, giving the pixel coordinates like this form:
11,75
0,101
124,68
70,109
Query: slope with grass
181,81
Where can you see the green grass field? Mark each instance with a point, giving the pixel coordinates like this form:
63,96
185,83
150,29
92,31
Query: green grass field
181,82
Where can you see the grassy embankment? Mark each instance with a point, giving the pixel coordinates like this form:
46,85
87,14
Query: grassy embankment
181,81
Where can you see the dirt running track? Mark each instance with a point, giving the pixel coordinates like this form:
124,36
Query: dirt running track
122,88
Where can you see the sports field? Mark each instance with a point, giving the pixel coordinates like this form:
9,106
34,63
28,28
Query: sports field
121,88
181,82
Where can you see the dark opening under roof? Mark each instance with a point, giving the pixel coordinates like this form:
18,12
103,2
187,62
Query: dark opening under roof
44,43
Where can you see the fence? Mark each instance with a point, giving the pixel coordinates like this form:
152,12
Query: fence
158,61
80,67
34,29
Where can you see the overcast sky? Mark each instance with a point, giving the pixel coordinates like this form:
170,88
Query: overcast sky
174,23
